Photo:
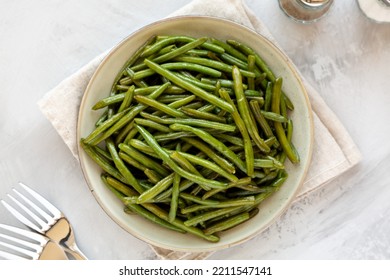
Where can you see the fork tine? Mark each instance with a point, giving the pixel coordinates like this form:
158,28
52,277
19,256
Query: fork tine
10,256
21,241
20,217
32,254
29,234
47,204
45,225
33,205
32,250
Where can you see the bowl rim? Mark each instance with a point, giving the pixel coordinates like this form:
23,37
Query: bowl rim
275,48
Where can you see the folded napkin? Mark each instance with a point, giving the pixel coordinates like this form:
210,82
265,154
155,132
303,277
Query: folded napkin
329,133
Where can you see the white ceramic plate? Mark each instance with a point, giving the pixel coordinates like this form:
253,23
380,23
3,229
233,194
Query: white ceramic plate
100,85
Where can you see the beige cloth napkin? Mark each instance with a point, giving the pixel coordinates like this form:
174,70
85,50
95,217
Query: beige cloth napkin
329,133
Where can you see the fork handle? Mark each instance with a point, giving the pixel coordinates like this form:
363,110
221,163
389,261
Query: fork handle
75,252
53,251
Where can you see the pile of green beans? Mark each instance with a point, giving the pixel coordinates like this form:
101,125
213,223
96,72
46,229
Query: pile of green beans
194,134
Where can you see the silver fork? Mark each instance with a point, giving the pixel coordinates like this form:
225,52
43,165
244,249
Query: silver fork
28,246
47,220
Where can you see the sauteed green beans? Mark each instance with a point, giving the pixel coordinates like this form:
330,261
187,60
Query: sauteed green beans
194,134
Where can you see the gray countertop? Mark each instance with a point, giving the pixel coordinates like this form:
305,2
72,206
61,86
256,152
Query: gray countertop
345,56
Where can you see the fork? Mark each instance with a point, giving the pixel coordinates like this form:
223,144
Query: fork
32,246
51,222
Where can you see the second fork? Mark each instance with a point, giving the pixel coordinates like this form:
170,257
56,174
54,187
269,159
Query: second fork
22,244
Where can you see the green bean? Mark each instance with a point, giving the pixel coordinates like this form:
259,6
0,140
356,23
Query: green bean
146,184
240,183
290,128
120,88
196,82
139,51
152,175
172,52
259,61
172,136
192,122
243,108
254,93
159,106
128,116
259,117
201,204
203,115
175,198
208,138
275,186
251,67
223,82
143,212
228,48
274,116
242,64
283,111
210,215
194,105
223,163
104,126
180,224
128,159
192,158
168,98
197,52
133,59
178,66
288,102
145,160
152,124
213,64
183,102
165,157
268,97
184,185
117,98
267,178
101,161
228,223
176,52
121,187
130,199
174,39
138,82
123,133
158,45
102,118
285,144
210,165
156,189
249,157
125,81
268,163
120,165
143,147
132,133
188,86
207,107
184,163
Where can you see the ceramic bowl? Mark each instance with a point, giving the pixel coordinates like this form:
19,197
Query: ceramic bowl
198,26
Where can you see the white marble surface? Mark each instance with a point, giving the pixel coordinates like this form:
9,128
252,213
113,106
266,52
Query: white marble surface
345,56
